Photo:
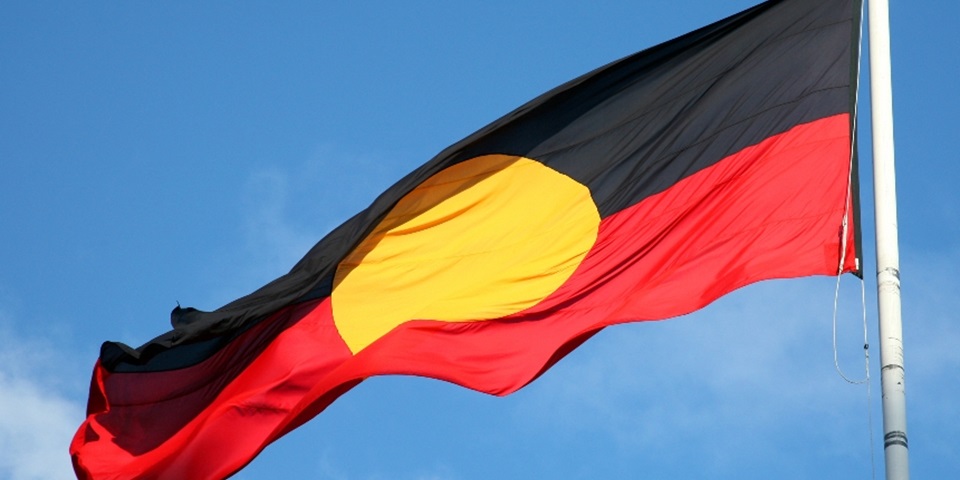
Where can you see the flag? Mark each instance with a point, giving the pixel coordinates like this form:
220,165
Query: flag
640,191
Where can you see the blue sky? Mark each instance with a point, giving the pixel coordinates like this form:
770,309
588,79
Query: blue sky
161,152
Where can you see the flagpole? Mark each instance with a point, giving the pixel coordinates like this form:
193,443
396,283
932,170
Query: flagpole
888,255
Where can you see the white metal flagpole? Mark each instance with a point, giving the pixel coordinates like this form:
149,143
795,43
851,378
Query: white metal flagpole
888,255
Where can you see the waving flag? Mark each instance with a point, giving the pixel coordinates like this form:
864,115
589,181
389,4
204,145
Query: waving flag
643,190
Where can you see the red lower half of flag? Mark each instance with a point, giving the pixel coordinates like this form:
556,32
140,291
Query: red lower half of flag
773,210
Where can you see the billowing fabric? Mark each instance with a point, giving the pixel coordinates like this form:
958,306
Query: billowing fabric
643,190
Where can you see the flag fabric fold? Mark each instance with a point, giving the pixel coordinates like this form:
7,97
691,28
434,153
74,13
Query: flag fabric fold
643,190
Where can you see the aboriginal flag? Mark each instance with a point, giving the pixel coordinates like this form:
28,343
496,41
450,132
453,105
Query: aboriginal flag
640,191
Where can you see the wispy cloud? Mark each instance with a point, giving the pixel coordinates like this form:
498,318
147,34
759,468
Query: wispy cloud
37,419
328,464
931,334
730,384
287,207
272,240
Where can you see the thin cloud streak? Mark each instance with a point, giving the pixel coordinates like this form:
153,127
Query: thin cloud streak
38,419
735,384
286,207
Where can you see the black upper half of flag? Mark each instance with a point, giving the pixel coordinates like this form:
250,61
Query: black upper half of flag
628,130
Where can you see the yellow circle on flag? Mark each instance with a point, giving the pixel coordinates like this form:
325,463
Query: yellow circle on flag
481,239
